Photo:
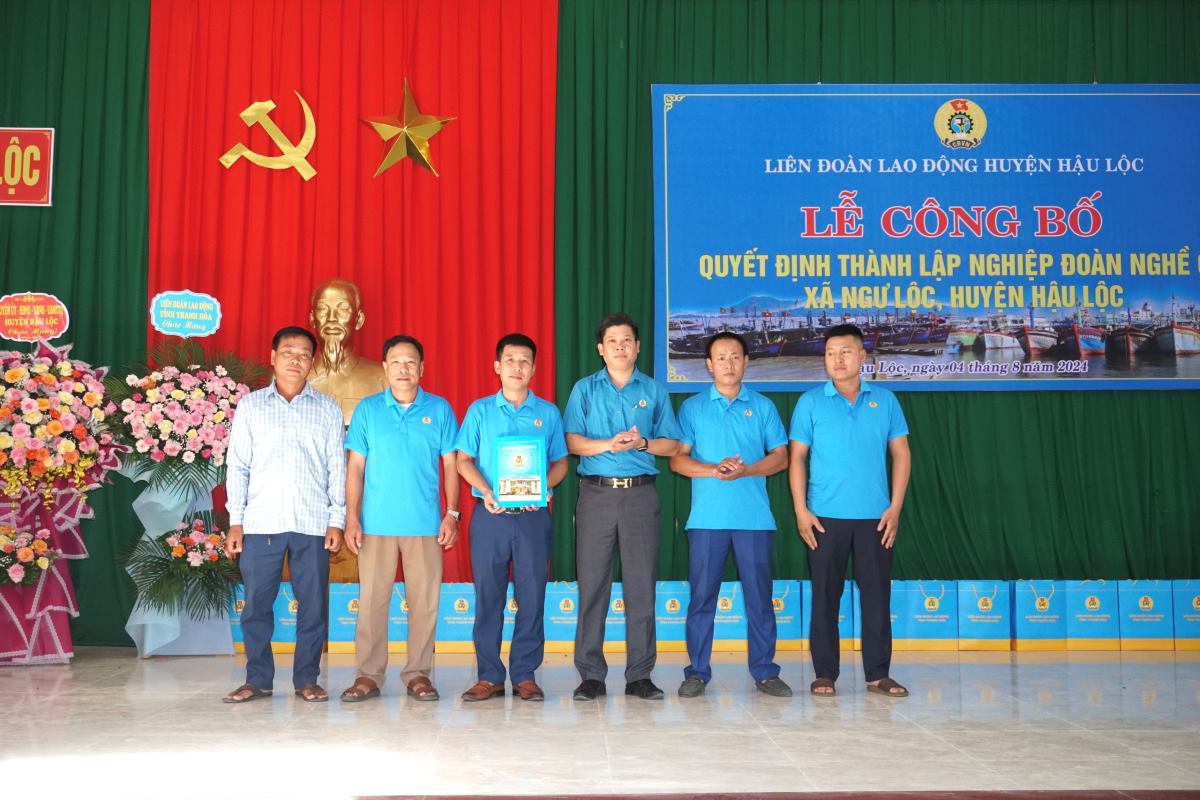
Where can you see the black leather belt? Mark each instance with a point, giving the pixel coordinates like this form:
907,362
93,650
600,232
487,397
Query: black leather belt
515,511
618,483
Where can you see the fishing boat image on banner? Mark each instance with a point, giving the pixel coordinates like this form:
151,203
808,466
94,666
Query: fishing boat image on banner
1178,338
1036,340
996,338
1080,341
1127,341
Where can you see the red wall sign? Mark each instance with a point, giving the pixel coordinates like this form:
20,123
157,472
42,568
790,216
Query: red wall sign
26,156
30,316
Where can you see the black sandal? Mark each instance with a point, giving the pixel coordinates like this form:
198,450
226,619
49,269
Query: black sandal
255,694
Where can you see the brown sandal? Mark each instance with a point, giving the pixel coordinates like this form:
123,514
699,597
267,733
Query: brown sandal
255,693
312,693
362,689
885,687
822,683
421,688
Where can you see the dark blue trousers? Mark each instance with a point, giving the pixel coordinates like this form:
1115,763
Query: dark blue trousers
524,540
707,552
261,563
872,573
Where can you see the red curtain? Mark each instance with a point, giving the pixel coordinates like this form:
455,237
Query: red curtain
456,260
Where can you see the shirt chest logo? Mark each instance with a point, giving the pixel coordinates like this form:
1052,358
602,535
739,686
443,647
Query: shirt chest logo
537,423
642,403
749,413
426,420
872,404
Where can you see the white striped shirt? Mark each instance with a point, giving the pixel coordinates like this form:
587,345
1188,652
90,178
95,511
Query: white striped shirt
286,463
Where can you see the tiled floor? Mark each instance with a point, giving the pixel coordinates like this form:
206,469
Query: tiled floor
111,725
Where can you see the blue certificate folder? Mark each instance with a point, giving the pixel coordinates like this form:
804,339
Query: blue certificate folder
520,471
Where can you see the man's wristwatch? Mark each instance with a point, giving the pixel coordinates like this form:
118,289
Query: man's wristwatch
453,512
645,448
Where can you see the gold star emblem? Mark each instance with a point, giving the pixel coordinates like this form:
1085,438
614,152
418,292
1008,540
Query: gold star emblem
411,131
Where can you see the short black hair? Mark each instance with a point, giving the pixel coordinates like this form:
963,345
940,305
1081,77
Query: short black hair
613,321
719,335
844,330
403,338
516,340
289,332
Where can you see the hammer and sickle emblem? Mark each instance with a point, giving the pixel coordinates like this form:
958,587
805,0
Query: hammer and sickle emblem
293,154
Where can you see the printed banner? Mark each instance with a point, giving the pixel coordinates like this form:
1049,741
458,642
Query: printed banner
26,166
982,236
185,314
30,316
984,615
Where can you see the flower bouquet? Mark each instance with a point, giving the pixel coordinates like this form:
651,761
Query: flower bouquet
185,570
52,424
176,415
25,556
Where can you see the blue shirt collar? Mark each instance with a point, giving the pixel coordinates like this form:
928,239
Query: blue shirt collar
637,377
831,390
390,400
501,402
714,394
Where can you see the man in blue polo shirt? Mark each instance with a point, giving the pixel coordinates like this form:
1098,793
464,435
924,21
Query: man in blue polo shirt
501,536
401,441
617,421
841,435
731,440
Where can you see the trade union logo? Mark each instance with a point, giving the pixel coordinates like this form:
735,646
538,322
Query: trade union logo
618,606
404,605
352,606
293,607
512,604
985,604
1042,604
461,605
240,604
931,604
1092,603
673,606
960,124
725,603
566,606
777,604
1146,602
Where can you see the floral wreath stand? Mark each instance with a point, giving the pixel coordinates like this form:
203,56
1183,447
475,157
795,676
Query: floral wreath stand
35,620
163,633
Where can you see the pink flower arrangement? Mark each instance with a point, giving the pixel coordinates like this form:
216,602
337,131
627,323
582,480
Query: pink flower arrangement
25,555
52,414
185,570
198,544
183,414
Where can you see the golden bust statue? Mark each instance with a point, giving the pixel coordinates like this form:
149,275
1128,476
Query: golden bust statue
339,371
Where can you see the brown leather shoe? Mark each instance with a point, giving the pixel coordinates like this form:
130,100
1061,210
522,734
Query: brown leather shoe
484,690
528,690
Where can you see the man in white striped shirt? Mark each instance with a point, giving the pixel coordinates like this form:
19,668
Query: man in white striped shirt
286,487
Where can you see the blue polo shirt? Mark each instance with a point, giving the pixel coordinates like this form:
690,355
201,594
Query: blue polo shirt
403,448
717,428
847,465
491,417
598,410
